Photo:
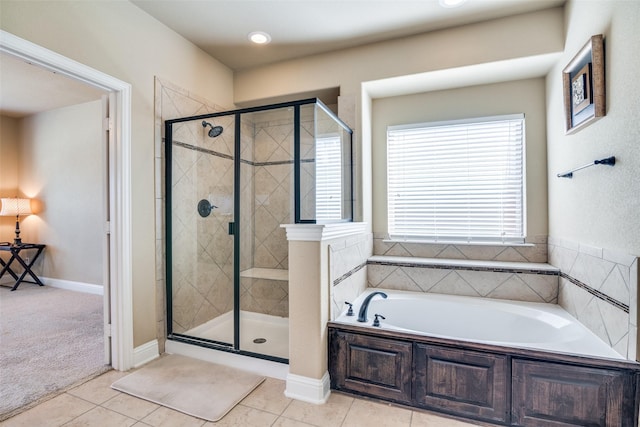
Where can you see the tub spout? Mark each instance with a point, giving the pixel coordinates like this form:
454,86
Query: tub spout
362,314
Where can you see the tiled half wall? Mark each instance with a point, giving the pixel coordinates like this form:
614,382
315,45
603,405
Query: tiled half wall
533,282
348,270
534,250
599,287
506,272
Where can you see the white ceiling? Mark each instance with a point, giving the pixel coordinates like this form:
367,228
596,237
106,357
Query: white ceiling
27,89
305,27
298,28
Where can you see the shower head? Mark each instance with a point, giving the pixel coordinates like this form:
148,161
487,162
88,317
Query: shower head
214,131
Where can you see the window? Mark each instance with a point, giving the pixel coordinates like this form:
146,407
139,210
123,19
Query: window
328,178
457,181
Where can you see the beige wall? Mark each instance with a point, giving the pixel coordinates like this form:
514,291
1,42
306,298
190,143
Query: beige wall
523,36
524,96
502,39
119,39
9,136
600,206
62,167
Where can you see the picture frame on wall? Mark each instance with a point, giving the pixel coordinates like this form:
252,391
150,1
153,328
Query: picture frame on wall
584,86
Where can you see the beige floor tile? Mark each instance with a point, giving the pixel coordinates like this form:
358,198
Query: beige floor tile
51,413
165,417
269,396
102,417
98,390
423,419
245,416
288,422
366,414
330,414
130,406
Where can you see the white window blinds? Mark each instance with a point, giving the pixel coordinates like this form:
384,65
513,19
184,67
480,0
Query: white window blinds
459,181
328,178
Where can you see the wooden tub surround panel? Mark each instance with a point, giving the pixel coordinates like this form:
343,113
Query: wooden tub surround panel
484,382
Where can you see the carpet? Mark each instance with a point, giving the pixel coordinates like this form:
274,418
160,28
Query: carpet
50,340
201,389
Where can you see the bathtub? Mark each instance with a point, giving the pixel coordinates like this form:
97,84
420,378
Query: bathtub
501,361
491,321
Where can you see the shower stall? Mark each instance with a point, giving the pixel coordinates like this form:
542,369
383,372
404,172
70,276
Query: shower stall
232,179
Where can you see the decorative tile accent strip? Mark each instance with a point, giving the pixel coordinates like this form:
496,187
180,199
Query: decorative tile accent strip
226,156
349,273
465,267
281,162
596,293
202,150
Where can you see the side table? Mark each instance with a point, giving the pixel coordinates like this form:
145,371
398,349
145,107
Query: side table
16,256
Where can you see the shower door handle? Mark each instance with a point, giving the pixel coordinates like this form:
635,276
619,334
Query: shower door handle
232,228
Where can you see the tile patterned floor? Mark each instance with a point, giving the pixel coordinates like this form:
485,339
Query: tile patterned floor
94,403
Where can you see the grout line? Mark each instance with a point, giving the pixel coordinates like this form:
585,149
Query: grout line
346,415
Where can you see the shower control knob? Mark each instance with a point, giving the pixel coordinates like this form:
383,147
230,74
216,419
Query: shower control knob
350,311
376,321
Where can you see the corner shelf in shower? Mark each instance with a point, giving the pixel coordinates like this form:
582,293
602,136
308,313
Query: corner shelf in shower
266,273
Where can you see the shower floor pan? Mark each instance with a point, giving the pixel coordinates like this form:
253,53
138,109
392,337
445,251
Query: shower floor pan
259,333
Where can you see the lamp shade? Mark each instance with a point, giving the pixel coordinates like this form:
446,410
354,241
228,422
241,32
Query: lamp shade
15,207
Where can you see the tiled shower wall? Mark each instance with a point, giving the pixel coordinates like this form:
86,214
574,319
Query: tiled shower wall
203,285
170,102
599,287
269,204
202,248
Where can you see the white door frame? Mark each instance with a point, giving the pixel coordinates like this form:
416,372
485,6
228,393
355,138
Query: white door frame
121,264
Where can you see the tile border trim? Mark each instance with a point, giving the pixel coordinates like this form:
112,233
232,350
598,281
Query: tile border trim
596,293
227,156
465,267
349,273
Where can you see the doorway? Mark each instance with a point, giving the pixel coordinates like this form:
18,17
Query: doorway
118,298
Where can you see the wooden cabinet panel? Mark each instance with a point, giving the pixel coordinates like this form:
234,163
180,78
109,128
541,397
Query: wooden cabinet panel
552,395
463,382
372,366
498,385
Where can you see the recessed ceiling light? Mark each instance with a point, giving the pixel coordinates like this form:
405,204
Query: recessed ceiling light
259,37
451,3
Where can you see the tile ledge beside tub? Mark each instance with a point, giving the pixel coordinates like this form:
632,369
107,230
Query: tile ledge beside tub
465,264
455,243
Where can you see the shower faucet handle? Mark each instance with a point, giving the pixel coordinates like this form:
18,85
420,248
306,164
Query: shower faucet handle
350,311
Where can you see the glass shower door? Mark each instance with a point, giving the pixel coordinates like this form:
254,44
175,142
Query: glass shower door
266,202
202,217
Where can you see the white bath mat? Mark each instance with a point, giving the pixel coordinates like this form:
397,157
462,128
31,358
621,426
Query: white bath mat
201,389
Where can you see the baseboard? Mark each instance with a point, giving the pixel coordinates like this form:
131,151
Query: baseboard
73,286
307,389
145,353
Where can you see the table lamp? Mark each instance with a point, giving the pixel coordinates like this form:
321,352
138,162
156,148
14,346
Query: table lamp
17,207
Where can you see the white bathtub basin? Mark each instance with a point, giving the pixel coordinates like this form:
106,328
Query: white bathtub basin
501,322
